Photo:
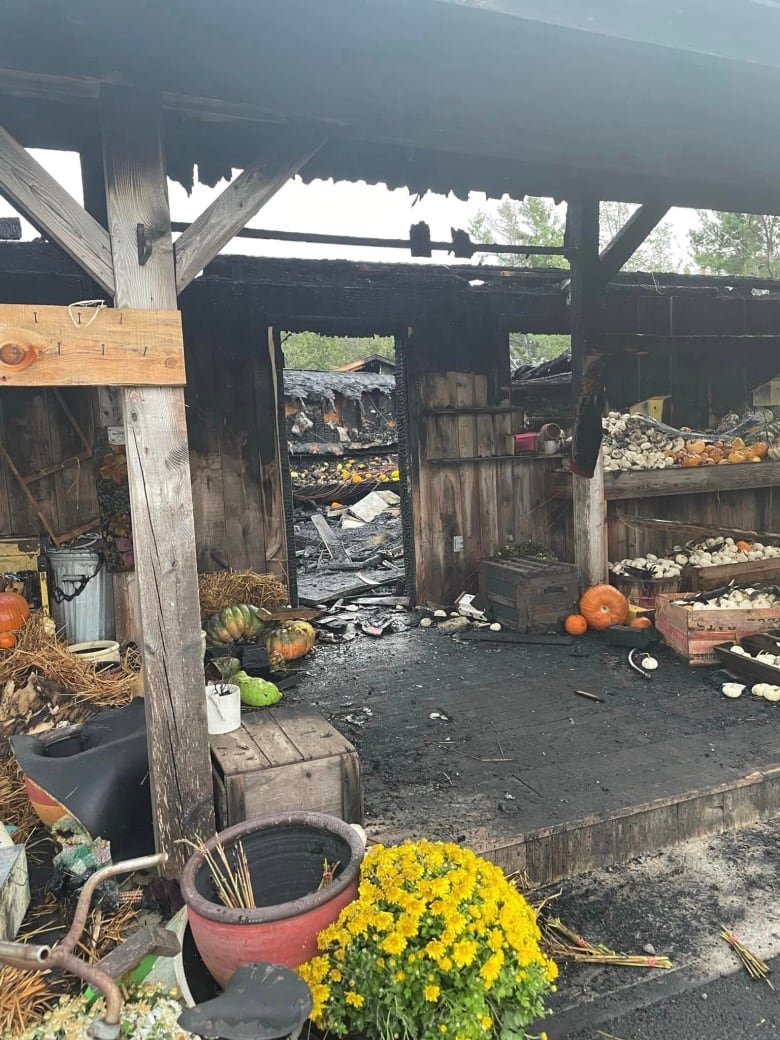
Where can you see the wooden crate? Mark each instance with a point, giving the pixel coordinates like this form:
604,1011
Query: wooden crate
693,634
528,595
283,759
702,579
643,592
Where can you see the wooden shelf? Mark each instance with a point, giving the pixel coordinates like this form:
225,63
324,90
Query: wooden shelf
494,458
473,409
697,480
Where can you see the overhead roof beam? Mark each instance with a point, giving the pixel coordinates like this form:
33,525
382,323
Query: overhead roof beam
242,199
56,214
630,237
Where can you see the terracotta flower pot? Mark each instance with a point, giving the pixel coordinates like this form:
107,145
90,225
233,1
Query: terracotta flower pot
286,853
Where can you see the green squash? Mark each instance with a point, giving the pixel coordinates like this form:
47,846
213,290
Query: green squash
237,624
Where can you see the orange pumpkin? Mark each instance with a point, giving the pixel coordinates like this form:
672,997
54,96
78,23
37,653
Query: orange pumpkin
744,546
737,455
641,622
760,449
602,606
576,625
14,611
291,639
7,640
692,460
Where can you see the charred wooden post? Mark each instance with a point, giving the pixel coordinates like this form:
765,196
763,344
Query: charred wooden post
160,491
590,511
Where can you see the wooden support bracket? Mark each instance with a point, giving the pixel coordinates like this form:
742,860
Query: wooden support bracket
629,239
53,346
55,213
242,199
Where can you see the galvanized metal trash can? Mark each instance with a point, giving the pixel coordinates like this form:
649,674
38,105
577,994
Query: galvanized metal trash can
82,594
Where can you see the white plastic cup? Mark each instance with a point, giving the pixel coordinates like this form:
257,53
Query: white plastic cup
223,704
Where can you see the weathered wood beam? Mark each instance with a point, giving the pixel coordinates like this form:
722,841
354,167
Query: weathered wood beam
242,199
67,346
55,213
589,505
160,490
630,237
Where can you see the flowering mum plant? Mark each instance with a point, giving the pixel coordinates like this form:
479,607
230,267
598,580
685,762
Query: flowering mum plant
148,1013
438,945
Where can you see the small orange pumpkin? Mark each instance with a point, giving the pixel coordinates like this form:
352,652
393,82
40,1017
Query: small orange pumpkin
7,640
641,622
576,625
14,611
692,460
744,546
602,606
759,449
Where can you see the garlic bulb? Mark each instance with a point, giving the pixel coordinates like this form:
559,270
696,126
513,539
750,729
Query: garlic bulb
772,693
759,689
649,663
732,689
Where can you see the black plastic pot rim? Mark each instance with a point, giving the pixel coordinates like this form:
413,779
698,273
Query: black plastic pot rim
266,914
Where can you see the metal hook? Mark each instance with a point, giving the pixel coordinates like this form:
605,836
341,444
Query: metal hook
144,245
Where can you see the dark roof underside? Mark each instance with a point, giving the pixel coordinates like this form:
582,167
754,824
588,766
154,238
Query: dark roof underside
673,101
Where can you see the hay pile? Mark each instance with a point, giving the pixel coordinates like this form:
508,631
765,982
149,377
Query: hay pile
16,808
228,588
42,684
49,657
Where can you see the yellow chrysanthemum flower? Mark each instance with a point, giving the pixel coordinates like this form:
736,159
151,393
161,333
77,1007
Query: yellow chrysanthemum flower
431,993
354,999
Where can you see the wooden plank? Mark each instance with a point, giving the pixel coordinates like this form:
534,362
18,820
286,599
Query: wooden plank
272,451
27,445
54,211
630,237
234,400
443,523
590,521
469,388
268,733
160,492
590,527
310,733
330,539
71,435
106,347
677,481
242,199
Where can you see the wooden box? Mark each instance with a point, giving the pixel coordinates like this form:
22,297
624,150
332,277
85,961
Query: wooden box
702,579
693,634
529,594
643,591
283,759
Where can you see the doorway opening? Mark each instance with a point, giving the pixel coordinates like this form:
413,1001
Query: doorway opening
344,462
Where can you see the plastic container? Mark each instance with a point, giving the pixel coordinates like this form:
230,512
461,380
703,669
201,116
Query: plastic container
89,616
224,709
526,441
653,407
97,651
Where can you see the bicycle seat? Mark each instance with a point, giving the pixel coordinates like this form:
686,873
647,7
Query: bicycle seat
260,1002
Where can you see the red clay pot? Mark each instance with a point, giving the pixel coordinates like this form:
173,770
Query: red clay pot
286,853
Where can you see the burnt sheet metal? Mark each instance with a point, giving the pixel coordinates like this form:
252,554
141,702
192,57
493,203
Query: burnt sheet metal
303,385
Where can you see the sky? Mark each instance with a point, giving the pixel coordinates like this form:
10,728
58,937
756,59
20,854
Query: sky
327,208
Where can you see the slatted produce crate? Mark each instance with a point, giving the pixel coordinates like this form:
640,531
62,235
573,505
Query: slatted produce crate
528,594
694,633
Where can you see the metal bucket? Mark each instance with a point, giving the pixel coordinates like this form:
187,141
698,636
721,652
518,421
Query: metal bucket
82,600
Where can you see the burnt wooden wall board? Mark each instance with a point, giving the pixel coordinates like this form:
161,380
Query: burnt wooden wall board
74,484
27,439
268,399
204,426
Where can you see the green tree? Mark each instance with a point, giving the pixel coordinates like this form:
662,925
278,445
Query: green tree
323,353
539,222
737,244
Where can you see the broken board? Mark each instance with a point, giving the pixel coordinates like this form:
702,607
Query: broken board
325,588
